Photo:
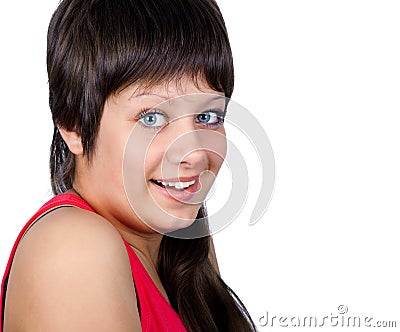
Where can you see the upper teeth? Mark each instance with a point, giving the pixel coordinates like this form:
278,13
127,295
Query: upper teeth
178,185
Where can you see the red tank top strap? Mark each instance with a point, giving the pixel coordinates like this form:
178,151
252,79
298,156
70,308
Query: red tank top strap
56,202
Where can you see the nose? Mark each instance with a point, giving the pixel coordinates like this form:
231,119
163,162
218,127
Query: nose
187,147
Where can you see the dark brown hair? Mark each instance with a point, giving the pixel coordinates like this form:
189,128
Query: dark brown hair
98,47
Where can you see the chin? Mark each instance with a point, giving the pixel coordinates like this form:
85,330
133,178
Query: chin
172,224
183,227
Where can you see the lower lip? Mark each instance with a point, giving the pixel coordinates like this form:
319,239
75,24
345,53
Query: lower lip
182,195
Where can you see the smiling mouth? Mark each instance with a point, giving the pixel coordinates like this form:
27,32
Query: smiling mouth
180,185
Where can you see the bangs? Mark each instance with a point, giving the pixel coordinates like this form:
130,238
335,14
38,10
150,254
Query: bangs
154,42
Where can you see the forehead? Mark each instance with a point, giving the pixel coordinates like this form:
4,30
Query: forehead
172,89
178,94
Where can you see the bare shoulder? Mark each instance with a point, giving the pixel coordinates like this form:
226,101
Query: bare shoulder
71,272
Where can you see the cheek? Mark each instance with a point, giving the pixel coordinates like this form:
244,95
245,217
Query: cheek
133,164
154,156
217,150
110,153
138,159
216,161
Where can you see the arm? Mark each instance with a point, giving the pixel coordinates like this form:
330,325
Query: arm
71,273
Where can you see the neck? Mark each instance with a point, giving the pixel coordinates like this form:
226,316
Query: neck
146,245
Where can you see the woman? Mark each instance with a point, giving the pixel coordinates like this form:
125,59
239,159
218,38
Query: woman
136,89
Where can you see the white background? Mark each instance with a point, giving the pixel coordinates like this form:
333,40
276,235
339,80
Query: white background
323,78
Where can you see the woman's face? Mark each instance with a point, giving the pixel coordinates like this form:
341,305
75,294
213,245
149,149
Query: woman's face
156,156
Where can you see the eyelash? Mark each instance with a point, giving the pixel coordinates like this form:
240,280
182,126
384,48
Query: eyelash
147,111
220,118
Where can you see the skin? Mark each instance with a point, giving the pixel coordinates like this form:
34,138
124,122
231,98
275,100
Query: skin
64,260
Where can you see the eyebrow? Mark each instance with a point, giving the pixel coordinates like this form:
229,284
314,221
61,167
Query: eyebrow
218,97
145,93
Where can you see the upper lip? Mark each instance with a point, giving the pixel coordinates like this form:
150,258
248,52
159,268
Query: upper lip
180,179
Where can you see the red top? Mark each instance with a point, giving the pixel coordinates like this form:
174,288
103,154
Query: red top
155,312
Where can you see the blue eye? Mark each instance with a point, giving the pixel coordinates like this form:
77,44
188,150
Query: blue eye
210,118
152,118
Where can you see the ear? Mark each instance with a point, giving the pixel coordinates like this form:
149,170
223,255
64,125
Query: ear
73,140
